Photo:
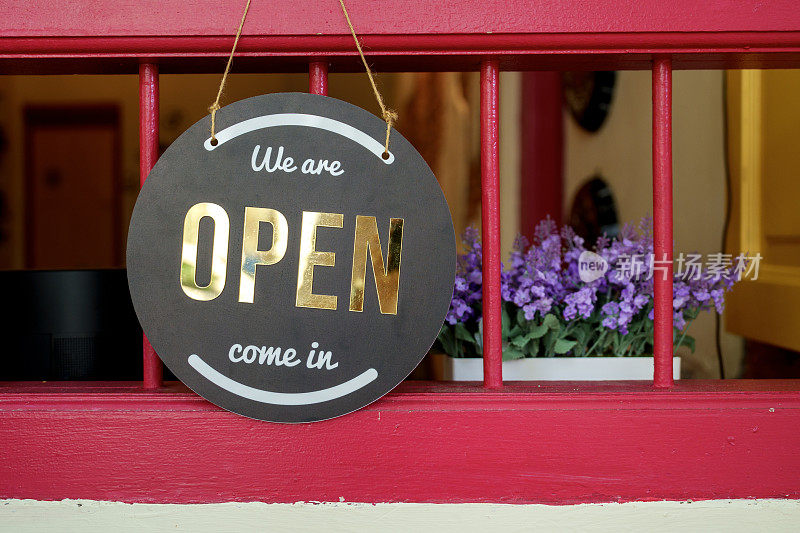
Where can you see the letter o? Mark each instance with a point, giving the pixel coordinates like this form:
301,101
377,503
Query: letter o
219,251
246,354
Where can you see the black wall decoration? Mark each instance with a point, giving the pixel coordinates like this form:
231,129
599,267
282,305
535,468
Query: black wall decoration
588,96
291,273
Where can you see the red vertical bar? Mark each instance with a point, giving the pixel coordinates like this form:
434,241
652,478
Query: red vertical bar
318,77
148,154
490,216
662,220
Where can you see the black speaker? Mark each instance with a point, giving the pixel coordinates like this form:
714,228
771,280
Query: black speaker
69,325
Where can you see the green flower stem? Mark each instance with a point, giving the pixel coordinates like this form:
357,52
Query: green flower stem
599,339
683,336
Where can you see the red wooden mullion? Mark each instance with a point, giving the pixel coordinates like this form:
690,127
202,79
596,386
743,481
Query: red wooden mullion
490,216
662,220
318,77
148,154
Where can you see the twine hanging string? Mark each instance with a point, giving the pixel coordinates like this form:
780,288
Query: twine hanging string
215,106
388,115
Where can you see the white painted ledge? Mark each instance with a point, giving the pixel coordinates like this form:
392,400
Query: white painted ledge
553,368
85,516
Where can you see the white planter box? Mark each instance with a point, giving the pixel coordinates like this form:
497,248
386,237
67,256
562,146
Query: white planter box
553,368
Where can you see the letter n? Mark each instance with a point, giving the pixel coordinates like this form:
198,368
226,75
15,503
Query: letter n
387,278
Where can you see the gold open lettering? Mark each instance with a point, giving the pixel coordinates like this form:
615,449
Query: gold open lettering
387,278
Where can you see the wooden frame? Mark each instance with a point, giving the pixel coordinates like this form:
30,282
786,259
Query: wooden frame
554,443
548,443
106,36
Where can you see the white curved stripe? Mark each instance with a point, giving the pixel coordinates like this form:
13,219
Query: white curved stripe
300,119
282,398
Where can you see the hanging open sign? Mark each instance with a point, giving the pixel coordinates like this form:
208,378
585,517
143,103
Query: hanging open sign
291,271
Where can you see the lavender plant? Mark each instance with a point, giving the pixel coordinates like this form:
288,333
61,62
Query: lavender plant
547,310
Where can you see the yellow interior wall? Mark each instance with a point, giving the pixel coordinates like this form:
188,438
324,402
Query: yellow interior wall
184,100
621,152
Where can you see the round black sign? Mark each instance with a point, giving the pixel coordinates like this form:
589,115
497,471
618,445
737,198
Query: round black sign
291,271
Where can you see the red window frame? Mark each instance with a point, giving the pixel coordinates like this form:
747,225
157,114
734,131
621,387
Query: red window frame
432,442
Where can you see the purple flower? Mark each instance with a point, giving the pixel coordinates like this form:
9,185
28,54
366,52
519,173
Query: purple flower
580,302
640,300
718,295
543,276
701,295
522,297
678,321
476,277
542,305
